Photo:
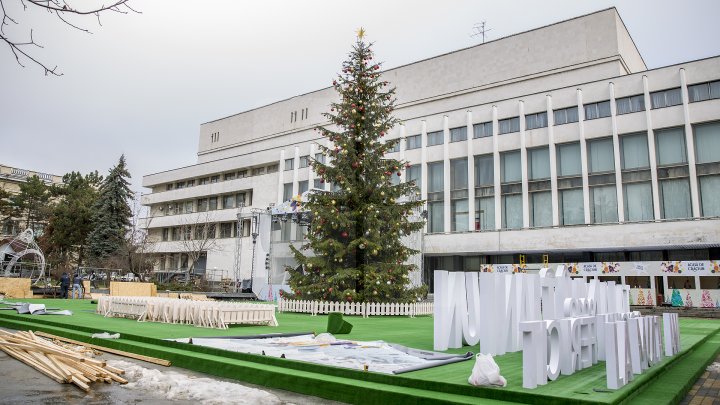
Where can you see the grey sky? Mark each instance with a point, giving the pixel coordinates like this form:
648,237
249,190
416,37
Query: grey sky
143,83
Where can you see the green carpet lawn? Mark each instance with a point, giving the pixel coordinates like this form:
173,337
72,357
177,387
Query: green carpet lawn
663,383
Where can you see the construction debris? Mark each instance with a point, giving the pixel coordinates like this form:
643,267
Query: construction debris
57,362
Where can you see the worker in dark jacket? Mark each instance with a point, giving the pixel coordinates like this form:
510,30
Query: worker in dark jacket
64,285
77,286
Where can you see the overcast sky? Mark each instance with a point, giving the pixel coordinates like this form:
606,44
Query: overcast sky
143,83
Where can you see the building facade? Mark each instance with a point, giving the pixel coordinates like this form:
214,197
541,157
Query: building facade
555,145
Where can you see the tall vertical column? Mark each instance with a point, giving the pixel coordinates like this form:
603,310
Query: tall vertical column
553,162
651,150
496,170
584,164
616,154
446,176
311,172
281,177
296,164
690,142
524,168
470,173
423,165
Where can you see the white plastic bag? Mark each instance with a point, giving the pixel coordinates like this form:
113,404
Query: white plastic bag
486,372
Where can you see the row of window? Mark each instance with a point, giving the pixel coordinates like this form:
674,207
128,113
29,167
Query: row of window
624,105
206,231
226,201
256,171
304,161
672,173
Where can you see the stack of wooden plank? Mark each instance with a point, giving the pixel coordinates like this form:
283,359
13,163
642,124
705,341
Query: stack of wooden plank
57,362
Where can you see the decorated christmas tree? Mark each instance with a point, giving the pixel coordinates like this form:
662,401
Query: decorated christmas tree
356,229
676,299
641,297
650,298
706,301
688,300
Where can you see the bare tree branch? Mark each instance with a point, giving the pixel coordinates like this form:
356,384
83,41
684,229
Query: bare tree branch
61,9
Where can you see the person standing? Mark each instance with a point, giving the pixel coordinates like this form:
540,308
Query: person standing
77,286
64,285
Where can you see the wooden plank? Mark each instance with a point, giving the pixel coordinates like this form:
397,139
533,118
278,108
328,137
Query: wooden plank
132,289
148,359
14,287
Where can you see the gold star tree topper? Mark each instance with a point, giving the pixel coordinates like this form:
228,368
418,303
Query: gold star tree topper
361,33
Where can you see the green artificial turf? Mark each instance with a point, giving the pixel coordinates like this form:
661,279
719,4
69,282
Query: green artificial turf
669,379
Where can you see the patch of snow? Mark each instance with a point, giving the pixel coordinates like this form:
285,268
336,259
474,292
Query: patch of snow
714,368
177,386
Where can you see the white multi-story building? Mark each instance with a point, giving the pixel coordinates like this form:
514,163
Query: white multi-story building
556,141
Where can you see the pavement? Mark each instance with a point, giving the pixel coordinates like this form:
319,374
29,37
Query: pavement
706,390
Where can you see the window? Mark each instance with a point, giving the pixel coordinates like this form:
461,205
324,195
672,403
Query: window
169,187
228,201
484,213
435,138
704,91
670,145
537,120
318,183
603,208
414,173
459,213
627,105
229,176
510,167
244,173
175,233
302,186
200,231
638,202
202,204
180,184
258,171
541,209
413,142
597,110
304,161
165,234
601,155
188,207
436,203
568,159
539,163
458,134
509,125
484,171
186,231
241,200
190,183
565,115
707,142
482,130
436,177
270,169
226,230
665,98
396,147
289,164
211,231
675,199
512,211
287,191
710,204
320,157
571,206
212,203
634,151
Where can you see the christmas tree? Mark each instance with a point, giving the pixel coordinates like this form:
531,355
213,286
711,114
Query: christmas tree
356,229
641,298
676,299
706,300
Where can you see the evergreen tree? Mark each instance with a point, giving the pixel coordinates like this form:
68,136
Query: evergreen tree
111,214
32,204
356,229
72,217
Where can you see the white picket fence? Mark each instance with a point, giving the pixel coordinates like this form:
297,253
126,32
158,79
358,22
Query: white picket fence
356,308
